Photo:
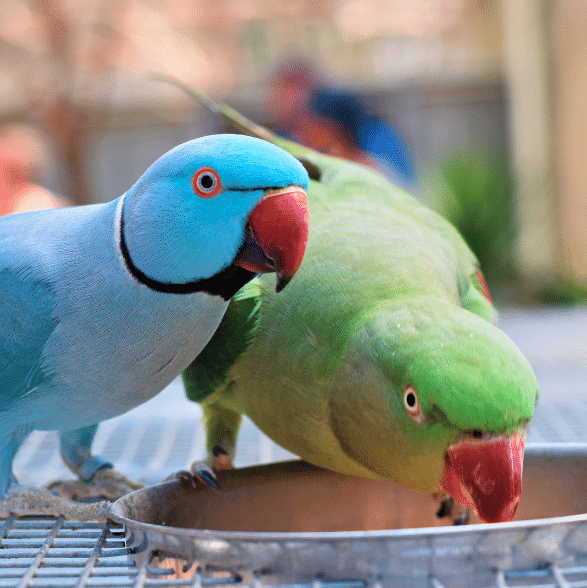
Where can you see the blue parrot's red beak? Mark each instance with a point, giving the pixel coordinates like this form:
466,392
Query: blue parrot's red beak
485,474
277,234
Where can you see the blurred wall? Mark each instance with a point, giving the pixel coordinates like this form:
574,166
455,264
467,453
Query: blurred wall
568,30
435,120
545,53
449,74
526,51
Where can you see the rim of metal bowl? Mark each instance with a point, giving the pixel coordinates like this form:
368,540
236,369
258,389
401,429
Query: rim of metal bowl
334,536
553,449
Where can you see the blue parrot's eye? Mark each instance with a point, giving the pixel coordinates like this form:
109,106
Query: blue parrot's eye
412,404
206,182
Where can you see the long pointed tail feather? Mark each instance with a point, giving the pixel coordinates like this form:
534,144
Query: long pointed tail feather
245,125
242,123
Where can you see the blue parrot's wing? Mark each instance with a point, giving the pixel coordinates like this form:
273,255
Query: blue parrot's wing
26,322
208,371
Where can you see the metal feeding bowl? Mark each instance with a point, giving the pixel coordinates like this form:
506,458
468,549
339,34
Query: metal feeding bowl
292,523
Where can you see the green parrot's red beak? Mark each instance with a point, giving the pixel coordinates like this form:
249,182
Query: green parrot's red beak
485,474
277,234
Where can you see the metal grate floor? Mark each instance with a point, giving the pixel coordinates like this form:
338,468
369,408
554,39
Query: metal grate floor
54,553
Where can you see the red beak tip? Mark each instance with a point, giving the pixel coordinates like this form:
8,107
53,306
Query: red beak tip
282,282
486,475
281,226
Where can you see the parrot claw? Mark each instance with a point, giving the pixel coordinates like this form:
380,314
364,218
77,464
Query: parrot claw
105,483
27,500
446,506
447,509
186,477
200,472
462,518
205,474
218,459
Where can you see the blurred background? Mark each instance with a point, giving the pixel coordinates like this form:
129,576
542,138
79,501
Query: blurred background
482,101
485,98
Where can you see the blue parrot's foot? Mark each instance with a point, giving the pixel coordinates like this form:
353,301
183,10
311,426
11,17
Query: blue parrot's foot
449,508
105,483
27,500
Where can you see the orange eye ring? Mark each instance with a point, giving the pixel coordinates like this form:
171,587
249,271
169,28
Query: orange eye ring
412,404
206,182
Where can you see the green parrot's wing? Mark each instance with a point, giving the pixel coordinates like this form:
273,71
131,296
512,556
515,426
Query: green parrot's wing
475,297
208,371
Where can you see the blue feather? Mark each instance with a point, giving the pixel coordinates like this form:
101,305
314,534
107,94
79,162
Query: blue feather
81,338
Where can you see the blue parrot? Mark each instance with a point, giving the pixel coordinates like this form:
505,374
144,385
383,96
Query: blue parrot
102,306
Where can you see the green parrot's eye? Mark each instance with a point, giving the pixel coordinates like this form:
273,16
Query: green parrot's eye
412,404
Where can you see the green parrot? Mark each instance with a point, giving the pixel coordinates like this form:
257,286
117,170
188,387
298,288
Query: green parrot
381,359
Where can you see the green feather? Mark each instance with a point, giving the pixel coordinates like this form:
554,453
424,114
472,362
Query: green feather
208,371
388,295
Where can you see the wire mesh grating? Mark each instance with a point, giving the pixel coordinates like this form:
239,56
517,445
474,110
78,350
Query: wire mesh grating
54,553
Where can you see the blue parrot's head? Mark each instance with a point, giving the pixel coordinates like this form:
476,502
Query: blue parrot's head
213,203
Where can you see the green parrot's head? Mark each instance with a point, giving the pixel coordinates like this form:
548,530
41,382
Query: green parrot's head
435,397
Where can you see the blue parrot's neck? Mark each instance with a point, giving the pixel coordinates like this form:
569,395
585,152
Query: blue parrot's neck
225,283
